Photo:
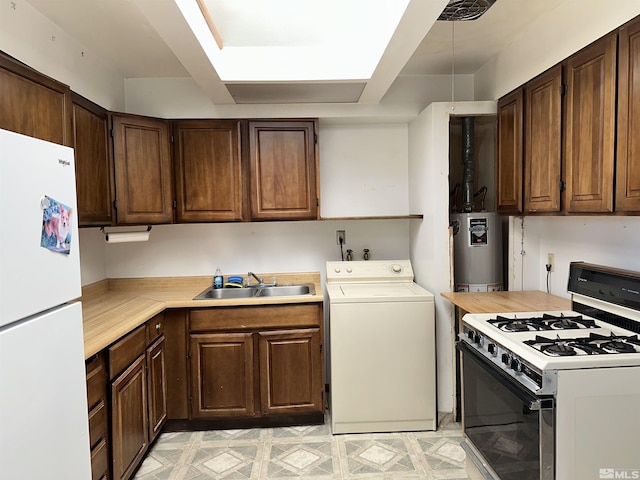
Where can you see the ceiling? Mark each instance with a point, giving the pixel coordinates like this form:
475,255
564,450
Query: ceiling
152,38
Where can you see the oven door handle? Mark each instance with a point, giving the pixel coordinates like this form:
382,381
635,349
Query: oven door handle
532,401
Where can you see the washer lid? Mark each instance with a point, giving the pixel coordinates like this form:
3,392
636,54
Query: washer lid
378,292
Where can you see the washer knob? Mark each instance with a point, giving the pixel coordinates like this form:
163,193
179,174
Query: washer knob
349,270
396,268
337,269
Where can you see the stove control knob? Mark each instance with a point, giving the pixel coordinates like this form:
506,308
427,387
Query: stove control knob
492,349
478,339
505,358
515,364
471,334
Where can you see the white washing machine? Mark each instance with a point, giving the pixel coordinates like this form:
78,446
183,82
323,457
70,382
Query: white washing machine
382,348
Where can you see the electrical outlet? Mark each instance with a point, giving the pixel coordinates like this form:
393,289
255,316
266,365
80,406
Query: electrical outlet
551,260
341,235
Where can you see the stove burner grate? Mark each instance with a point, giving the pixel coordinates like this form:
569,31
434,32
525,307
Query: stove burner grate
594,344
544,322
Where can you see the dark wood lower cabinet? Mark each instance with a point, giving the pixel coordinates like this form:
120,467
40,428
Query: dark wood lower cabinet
157,387
98,416
222,375
270,370
223,367
291,371
129,419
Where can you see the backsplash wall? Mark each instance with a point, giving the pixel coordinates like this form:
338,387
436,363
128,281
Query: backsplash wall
605,240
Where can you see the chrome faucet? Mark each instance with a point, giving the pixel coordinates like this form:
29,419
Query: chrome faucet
261,281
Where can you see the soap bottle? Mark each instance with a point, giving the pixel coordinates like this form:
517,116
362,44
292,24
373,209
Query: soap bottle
217,279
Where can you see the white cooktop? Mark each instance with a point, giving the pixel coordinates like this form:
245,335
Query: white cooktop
514,341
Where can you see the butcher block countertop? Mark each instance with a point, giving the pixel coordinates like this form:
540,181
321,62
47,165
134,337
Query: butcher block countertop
503,302
111,308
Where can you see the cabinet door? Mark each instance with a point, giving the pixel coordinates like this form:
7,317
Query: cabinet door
142,160
291,371
222,375
510,120
628,154
129,433
98,417
34,104
208,171
590,127
542,150
157,387
94,169
282,165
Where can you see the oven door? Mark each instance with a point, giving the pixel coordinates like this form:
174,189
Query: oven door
510,429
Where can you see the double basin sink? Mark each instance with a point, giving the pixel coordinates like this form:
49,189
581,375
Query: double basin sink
255,291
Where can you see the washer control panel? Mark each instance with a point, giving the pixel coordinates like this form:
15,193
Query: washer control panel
369,271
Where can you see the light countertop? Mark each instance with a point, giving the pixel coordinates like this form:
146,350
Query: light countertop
503,302
112,308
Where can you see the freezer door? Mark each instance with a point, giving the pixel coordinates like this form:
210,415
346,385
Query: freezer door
38,199
44,431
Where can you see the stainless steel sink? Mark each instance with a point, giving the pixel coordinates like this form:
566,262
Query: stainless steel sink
286,290
257,291
211,293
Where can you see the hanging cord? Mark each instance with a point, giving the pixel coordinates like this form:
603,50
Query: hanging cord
548,267
341,251
453,66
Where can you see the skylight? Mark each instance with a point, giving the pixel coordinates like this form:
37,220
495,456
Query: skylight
295,40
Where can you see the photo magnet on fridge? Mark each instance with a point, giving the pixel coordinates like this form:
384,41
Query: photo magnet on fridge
56,225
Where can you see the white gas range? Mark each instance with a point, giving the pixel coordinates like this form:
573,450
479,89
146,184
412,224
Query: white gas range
541,390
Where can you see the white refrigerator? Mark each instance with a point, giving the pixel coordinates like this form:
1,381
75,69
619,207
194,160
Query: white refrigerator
44,432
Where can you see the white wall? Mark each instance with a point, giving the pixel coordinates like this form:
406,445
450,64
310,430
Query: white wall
28,36
363,170
611,241
176,250
549,39
429,239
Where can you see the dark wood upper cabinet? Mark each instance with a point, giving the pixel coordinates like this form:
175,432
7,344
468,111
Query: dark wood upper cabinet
34,104
282,169
542,144
94,168
510,151
590,127
208,170
142,161
628,151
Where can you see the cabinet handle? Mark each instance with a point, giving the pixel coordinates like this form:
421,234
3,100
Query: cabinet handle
158,325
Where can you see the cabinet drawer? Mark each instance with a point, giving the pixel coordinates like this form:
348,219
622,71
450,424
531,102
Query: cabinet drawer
251,318
99,461
96,381
125,351
97,423
155,327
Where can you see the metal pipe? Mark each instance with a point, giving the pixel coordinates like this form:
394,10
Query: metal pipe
469,167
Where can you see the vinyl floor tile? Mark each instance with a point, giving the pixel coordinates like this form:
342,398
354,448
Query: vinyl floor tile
306,452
